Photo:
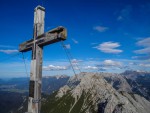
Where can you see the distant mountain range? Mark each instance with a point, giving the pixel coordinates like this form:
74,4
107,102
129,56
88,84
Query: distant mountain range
128,92
49,84
131,82
14,92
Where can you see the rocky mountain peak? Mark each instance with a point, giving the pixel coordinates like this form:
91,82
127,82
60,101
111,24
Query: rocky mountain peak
97,95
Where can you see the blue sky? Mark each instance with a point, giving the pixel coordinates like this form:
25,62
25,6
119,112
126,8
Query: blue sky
103,35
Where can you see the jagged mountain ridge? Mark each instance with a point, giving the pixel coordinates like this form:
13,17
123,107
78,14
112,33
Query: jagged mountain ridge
117,81
91,93
130,82
139,82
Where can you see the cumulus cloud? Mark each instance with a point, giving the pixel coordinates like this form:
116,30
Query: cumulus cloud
145,43
109,47
112,63
143,51
54,68
100,28
90,67
9,51
96,67
6,46
75,41
75,61
147,57
133,63
75,64
144,65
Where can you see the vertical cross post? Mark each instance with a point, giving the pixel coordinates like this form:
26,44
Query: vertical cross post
36,44
34,102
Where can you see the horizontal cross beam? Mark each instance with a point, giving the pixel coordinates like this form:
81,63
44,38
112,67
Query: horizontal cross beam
52,36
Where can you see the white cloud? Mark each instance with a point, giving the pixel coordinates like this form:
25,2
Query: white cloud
133,63
75,61
100,28
143,43
76,67
67,46
6,46
143,51
52,67
109,47
75,41
9,51
147,57
112,63
144,65
90,67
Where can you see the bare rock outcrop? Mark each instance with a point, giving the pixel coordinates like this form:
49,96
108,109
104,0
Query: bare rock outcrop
101,97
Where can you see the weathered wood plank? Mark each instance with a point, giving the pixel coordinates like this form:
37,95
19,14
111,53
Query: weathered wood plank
26,46
34,103
50,37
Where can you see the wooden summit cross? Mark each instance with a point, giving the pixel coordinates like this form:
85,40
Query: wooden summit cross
40,39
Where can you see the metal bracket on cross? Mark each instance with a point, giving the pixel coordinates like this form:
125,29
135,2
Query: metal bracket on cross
36,100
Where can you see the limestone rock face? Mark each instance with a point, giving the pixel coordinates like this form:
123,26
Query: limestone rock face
139,81
117,81
96,95
62,91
